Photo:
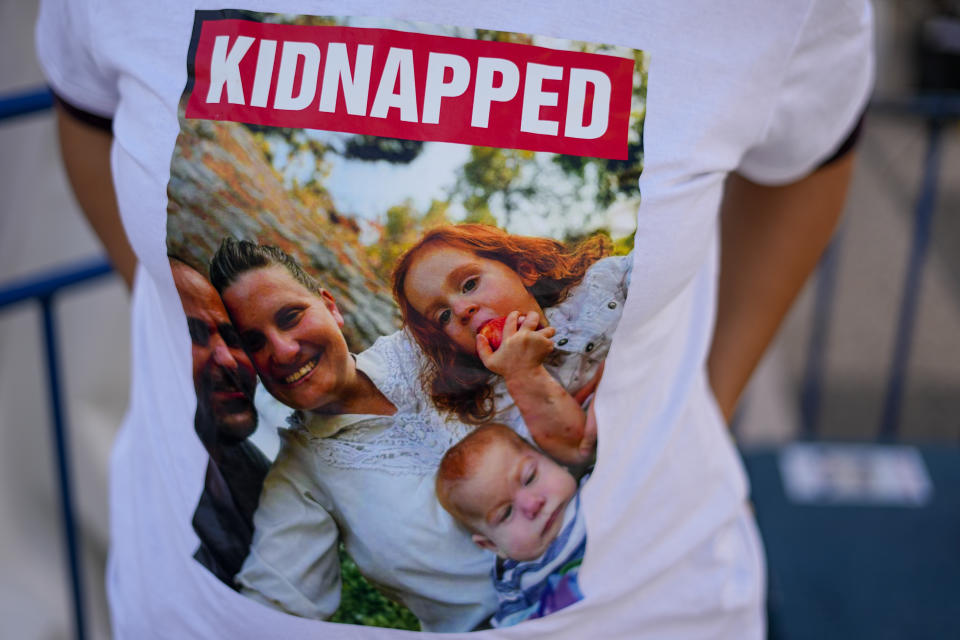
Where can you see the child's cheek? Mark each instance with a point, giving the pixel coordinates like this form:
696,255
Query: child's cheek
470,345
462,341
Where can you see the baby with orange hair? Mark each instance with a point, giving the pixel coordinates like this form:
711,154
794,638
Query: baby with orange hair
525,507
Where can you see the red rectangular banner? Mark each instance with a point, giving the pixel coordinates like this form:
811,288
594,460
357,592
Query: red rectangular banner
399,84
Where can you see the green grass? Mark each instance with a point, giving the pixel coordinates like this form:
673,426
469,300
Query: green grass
360,603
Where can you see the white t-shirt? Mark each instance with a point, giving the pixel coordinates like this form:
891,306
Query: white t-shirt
766,89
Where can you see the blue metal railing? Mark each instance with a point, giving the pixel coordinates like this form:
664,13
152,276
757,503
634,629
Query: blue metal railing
21,104
923,221
937,111
44,288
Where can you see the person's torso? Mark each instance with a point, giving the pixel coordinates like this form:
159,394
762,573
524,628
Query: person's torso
377,475
710,87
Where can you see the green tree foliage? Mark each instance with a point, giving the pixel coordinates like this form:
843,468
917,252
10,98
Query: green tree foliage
614,178
373,148
503,36
495,176
478,211
307,21
403,225
620,247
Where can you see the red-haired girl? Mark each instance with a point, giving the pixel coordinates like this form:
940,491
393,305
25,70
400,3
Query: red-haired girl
558,306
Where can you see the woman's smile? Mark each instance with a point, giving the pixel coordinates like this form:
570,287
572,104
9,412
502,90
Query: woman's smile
302,373
293,336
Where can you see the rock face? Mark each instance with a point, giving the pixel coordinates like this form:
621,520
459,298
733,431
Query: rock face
221,184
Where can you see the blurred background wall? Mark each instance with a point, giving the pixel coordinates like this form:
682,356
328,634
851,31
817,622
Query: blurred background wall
874,243
40,227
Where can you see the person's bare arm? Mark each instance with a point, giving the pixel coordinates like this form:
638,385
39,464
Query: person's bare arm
556,422
771,240
86,156
554,418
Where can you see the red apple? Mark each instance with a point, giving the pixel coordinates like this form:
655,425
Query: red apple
492,330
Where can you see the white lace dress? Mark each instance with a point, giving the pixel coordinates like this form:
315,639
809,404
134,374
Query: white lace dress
368,481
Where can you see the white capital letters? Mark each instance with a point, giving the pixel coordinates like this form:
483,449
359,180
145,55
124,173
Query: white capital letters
225,69
292,51
485,93
336,73
399,64
261,81
436,89
535,97
599,115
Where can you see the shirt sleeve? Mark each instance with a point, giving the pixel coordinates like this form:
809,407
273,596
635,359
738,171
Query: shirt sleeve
65,48
823,92
293,563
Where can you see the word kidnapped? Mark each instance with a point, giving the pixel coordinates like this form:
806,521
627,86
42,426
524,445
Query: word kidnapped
414,86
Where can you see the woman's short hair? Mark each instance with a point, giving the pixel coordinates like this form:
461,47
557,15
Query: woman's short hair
235,257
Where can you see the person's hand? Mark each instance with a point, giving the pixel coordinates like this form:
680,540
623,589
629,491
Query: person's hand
587,390
522,349
589,442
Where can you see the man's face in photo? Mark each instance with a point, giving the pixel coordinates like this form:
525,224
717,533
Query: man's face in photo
223,376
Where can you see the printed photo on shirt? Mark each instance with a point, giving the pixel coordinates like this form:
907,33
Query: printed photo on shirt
402,250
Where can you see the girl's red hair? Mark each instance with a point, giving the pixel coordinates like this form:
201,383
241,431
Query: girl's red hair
458,381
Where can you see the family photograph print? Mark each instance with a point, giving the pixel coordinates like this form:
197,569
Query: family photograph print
402,251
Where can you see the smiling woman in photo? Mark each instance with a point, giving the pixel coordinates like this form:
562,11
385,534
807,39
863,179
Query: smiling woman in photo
356,466
291,328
